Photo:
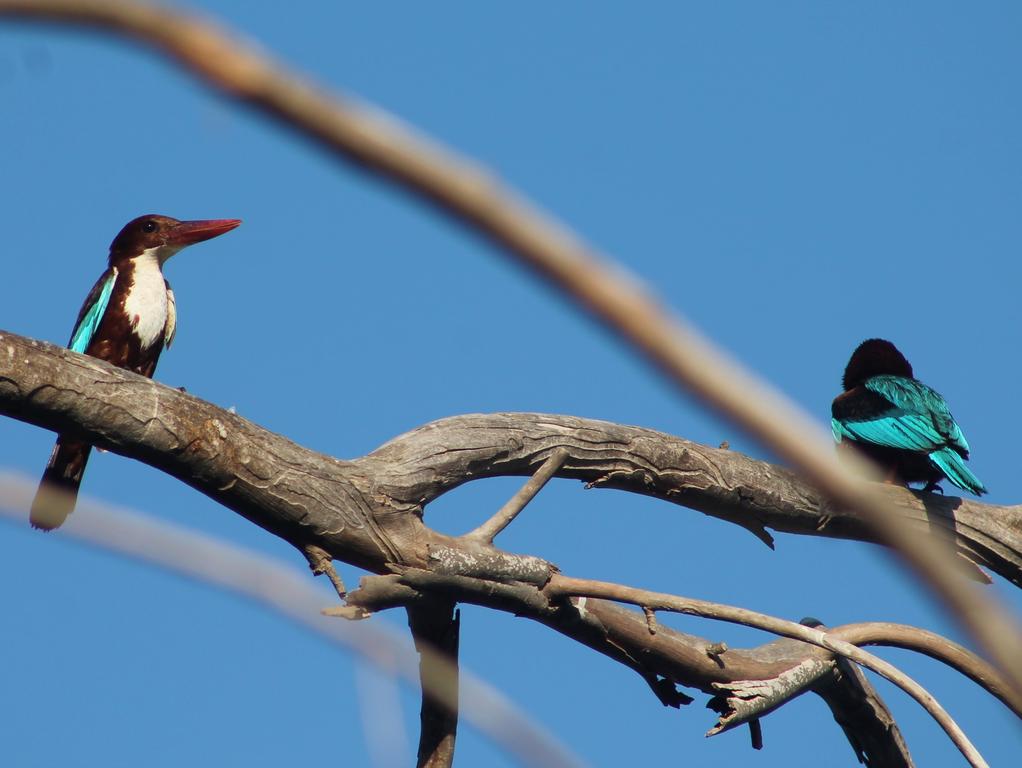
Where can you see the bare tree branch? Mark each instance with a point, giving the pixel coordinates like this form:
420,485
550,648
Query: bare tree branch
382,145
781,671
367,511
435,624
864,717
722,483
488,531
564,587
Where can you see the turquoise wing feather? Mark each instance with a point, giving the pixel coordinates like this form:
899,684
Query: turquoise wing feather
895,429
920,419
954,469
92,313
906,415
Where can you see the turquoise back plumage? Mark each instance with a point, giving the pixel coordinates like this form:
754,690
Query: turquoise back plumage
918,420
90,321
927,420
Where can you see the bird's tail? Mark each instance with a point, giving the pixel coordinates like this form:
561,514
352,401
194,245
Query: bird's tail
58,490
953,466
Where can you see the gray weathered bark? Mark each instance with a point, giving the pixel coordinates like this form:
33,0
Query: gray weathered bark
368,511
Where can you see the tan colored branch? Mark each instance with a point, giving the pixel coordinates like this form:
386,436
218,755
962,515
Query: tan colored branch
331,503
488,531
865,719
428,461
780,672
887,634
563,586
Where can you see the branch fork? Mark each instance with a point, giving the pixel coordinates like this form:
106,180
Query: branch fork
488,531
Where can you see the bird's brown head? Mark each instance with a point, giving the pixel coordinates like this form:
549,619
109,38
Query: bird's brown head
875,357
164,236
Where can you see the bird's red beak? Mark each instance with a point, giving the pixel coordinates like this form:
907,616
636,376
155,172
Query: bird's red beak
189,232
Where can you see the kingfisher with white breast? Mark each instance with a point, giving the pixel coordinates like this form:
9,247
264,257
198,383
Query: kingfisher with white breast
127,319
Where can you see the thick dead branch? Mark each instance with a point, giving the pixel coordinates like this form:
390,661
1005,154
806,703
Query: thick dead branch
556,254
368,511
864,717
745,701
437,457
857,708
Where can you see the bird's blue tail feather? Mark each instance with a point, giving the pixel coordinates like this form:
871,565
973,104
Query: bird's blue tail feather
952,465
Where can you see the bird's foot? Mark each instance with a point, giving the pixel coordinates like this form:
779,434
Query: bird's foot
933,487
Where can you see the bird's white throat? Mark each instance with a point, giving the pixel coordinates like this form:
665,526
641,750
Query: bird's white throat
146,302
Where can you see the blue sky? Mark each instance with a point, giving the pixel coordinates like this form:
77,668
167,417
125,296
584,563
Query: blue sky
793,177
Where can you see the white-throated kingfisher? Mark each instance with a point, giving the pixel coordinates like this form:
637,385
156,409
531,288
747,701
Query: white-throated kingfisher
127,319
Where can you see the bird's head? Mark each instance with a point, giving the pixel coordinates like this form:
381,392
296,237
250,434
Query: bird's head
875,357
163,236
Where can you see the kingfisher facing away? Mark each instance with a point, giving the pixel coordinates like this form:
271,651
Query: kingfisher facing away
126,320
899,422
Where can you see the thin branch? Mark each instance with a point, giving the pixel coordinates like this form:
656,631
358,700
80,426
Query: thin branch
482,593
458,188
935,646
563,586
435,624
321,563
676,656
287,593
502,518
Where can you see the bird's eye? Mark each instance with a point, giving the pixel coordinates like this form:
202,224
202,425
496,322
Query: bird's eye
149,226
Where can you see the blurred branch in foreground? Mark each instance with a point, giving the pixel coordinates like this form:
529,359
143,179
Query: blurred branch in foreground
289,593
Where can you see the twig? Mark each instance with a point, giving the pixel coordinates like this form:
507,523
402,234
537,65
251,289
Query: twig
321,563
650,619
756,733
503,517
563,586
286,592
380,592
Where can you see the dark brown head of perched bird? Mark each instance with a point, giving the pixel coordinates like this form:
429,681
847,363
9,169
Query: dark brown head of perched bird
875,357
